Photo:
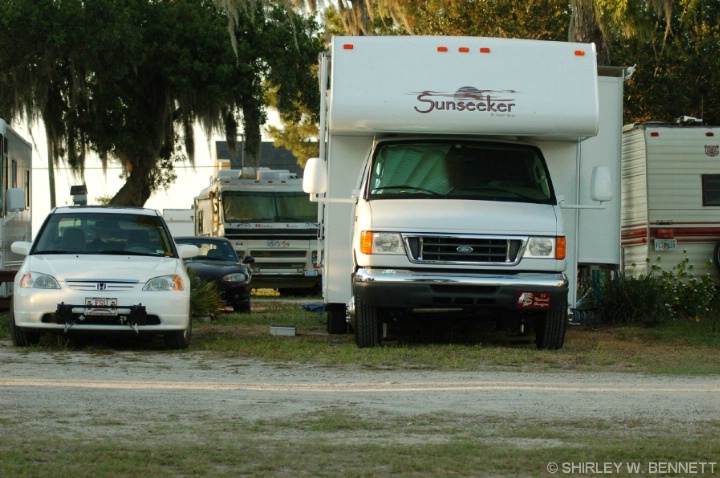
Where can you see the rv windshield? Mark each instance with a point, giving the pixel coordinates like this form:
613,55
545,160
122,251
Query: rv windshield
239,206
459,170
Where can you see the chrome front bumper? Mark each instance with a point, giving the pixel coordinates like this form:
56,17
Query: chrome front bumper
400,288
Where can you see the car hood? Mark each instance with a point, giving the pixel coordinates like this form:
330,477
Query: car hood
215,268
101,267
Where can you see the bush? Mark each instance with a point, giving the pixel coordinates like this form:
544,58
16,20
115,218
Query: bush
659,296
205,299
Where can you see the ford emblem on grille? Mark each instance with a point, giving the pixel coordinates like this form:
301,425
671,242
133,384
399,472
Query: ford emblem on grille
464,249
101,286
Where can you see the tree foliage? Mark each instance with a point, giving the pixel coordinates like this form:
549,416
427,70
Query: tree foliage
128,79
677,73
673,43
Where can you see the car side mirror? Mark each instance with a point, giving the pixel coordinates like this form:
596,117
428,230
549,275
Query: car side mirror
187,251
248,260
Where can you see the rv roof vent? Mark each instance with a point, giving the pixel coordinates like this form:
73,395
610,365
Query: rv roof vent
227,174
278,174
688,120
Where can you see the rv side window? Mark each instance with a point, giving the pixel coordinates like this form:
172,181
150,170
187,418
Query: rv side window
459,170
711,189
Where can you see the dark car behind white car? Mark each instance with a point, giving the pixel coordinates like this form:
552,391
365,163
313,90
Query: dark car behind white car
218,262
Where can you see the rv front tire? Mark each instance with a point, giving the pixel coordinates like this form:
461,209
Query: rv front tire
367,325
550,329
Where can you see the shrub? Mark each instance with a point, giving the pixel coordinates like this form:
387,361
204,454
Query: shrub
659,295
205,299
628,299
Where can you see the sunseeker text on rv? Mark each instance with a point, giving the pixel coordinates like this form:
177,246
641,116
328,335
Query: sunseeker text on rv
487,105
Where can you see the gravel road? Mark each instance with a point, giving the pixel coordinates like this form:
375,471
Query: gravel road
57,387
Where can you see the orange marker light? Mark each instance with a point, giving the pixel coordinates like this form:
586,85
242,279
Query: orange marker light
348,46
579,52
442,49
464,49
484,50
366,238
561,248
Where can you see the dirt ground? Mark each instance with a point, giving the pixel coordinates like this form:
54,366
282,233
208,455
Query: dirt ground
55,388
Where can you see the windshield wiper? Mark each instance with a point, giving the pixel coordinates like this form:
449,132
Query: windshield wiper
406,186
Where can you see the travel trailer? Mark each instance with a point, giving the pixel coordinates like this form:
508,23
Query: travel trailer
671,196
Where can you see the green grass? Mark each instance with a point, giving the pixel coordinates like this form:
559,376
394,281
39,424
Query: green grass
340,442
677,347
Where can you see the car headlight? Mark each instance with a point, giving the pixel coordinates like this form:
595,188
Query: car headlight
36,280
546,247
236,277
164,283
381,243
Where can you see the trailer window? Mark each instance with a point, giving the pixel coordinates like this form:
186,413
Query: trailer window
460,170
711,189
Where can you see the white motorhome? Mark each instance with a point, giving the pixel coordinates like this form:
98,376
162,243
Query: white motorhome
267,216
464,174
16,220
670,197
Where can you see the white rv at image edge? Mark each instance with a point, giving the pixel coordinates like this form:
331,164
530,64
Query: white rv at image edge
464,174
16,211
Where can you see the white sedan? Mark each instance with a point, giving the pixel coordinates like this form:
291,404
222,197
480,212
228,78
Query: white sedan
95,269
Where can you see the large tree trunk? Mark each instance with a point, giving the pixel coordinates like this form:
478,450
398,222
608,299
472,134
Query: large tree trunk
584,28
136,190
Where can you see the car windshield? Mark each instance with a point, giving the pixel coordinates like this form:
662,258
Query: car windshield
104,233
211,250
459,170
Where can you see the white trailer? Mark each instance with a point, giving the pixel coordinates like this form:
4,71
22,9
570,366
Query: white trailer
670,197
267,216
180,221
537,134
16,220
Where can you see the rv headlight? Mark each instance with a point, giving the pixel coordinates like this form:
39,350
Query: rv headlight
546,247
381,243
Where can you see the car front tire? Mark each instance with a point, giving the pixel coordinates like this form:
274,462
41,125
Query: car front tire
550,331
179,340
21,337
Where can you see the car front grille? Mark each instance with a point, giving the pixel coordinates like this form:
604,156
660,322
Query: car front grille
101,285
464,249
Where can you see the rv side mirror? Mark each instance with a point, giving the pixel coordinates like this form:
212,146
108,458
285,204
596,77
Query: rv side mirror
601,186
315,176
15,199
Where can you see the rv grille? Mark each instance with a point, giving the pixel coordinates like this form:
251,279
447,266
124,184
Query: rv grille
464,249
